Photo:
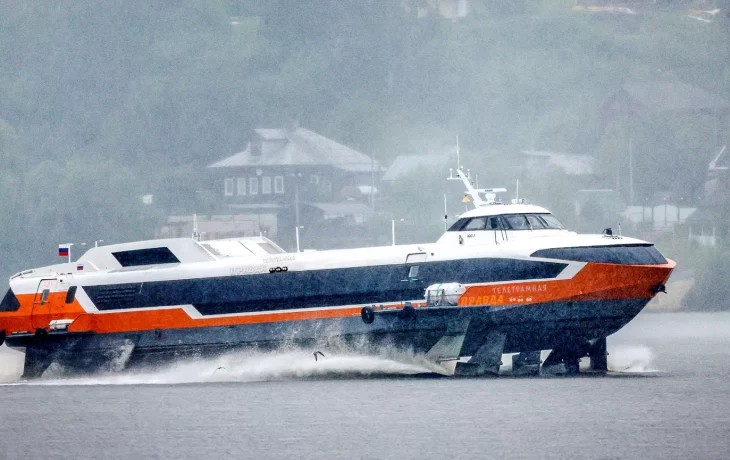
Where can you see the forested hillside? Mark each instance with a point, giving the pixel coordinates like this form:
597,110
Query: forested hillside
104,102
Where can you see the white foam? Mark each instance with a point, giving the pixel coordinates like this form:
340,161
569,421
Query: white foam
630,358
260,366
11,364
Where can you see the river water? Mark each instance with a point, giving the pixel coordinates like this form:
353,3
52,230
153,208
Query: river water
667,397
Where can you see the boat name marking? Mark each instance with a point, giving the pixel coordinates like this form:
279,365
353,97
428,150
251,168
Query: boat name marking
484,300
248,270
497,297
519,289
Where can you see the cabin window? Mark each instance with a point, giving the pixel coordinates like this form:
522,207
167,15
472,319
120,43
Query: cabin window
625,254
516,222
151,256
535,222
456,226
551,221
253,185
509,222
71,294
477,223
228,187
279,185
10,302
241,186
266,185
493,223
413,272
44,296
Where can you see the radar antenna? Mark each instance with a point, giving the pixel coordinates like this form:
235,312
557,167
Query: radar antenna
490,194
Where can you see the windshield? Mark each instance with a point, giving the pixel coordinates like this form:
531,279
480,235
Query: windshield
507,222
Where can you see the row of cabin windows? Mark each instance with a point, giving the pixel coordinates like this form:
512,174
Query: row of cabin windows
507,222
238,186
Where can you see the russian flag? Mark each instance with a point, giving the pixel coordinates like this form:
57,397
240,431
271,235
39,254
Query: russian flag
79,267
62,251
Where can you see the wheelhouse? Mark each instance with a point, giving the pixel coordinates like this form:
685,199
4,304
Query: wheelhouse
516,221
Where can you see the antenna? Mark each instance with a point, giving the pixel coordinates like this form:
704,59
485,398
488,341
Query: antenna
517,191
490,194
446,215
196,235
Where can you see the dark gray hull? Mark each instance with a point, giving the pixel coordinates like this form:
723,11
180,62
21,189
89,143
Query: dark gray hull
555,325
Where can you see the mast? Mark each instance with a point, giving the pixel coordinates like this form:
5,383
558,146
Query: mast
446,215
490,194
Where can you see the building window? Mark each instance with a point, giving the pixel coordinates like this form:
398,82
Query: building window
266,185
228,186
279,184
241,186
253,185
314,179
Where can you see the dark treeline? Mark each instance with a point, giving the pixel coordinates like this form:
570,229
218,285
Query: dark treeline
104,102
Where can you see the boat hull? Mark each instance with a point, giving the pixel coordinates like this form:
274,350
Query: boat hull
531,327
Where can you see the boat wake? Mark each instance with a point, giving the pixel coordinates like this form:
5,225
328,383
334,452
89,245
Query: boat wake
630,359
11,364
255,367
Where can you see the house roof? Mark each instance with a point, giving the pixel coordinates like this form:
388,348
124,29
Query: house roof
300,147
674,95
570,163
702,214
406,164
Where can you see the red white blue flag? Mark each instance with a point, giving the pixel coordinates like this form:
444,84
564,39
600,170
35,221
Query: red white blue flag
79,267
62,250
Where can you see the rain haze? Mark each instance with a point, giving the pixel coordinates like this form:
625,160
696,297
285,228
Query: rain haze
334,124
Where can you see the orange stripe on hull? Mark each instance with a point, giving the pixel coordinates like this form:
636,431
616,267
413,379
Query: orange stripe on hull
176,318
594,282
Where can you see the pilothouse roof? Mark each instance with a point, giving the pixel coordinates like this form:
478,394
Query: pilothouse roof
500,209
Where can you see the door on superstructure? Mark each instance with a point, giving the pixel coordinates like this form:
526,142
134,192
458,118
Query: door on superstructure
413,266
40,316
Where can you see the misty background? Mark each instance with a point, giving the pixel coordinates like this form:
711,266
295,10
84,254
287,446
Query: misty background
104,103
